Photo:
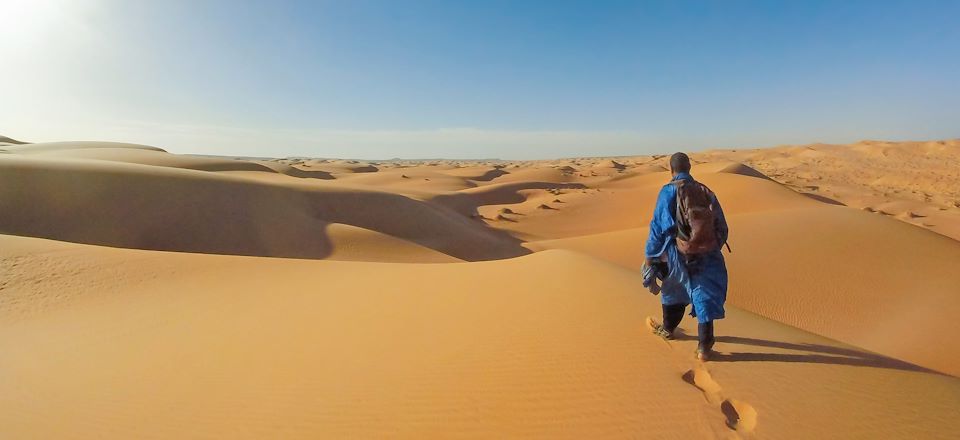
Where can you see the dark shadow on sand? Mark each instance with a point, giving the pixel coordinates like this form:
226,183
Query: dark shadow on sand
817,353
824,199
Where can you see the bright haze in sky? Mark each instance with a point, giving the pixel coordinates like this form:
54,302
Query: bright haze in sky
483,79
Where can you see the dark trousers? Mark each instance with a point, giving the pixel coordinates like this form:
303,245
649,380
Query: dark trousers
673,314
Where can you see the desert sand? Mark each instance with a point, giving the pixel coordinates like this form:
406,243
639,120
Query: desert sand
145,294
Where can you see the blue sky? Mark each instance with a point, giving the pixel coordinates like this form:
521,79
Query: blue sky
509,79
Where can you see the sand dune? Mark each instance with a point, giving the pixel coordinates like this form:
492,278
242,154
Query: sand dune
351,243
40,147
901,176
233,345
469,200
9,141
831,275
162,208
410,180
136,302
147,155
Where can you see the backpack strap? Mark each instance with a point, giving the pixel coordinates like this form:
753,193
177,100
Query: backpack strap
678,212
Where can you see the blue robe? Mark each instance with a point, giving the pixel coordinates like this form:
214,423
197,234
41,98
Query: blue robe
703,285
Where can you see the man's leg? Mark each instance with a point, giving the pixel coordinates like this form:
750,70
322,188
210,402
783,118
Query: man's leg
672,315
708,290
674,299
705,335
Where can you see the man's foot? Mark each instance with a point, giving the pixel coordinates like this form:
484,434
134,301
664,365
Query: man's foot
703,355
658,329
663,333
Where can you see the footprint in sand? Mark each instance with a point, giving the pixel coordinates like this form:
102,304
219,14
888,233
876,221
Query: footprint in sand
741,416
700,378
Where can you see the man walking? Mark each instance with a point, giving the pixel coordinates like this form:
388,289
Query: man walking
686,234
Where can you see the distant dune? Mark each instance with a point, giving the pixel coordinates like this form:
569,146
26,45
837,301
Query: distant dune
919,178
6,140
141,296
141,198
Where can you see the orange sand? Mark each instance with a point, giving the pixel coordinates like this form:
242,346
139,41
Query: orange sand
139,299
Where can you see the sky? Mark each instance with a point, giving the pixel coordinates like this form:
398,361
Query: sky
479,79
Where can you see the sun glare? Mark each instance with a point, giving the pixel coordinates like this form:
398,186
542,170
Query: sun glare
26,21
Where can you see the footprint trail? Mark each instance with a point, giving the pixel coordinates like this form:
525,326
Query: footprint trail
740,416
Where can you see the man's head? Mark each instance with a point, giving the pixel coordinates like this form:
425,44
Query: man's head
679,163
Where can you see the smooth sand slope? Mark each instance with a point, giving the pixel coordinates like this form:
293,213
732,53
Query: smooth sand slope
118,319
156,345
153,205
867,280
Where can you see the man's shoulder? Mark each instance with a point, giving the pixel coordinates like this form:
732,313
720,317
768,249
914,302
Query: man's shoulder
668,191
670,186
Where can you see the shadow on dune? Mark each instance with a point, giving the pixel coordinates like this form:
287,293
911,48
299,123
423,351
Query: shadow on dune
820,354
11,141
823,199
467,201
304,174
490,175
120,205
292,171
